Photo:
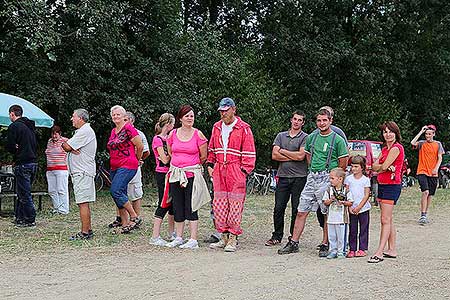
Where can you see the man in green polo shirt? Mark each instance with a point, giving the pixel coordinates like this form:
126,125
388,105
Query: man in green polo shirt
324,150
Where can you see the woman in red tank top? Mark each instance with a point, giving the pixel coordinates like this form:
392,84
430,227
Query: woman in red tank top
389,168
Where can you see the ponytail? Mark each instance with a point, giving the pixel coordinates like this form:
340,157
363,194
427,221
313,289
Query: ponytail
164,119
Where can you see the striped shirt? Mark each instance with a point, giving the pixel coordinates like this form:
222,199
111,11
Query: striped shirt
56,156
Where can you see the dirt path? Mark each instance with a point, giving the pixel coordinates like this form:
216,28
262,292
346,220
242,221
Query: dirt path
422,270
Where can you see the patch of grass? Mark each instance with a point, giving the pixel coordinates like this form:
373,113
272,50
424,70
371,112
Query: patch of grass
52,231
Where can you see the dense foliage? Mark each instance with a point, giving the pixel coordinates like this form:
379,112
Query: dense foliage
370,60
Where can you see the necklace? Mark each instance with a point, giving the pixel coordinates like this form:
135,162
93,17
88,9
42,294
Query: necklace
185,134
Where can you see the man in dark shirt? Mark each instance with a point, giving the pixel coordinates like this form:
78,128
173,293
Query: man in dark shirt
288,150
22,144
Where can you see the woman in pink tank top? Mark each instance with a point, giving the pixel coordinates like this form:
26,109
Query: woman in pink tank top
389,168
159,145
187,147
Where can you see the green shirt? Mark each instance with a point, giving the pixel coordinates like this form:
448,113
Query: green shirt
321,148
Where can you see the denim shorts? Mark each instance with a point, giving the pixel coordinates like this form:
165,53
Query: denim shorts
119,185
389,193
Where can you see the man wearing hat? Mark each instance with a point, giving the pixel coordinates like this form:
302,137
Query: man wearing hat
430,158
231,157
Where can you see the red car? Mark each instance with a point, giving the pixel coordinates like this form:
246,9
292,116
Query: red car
370,150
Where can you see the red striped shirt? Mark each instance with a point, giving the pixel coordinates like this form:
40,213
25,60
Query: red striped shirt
56,156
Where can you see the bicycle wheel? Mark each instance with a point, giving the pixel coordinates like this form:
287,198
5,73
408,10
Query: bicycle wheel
98,182
374,190
250,185
446,182
265,186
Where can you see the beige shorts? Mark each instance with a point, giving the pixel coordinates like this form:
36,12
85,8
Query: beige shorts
134,189
83,188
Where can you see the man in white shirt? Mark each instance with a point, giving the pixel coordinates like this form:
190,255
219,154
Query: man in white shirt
81,150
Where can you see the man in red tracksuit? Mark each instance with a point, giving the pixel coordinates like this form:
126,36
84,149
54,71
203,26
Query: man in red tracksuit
231,157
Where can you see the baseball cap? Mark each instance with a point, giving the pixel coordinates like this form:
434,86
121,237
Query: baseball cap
226,103
432,127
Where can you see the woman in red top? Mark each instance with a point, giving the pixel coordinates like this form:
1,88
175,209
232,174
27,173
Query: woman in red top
389,168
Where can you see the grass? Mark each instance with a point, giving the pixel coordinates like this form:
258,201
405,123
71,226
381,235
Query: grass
52,231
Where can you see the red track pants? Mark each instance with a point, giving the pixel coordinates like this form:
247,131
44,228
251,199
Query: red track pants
229,196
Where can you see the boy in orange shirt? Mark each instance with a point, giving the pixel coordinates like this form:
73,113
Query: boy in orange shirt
430,158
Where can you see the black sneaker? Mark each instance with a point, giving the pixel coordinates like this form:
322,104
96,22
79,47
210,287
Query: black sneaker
82,236
290,247
323,250
212,239
24,224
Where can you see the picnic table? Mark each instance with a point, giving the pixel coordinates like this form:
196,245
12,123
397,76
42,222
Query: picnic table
8,188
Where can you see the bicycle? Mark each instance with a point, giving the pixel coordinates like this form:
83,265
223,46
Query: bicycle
260,184
102,176
7,182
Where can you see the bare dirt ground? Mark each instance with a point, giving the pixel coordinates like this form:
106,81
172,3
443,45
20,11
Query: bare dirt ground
136,270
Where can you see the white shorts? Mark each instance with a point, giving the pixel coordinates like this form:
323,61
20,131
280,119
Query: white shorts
134,189
83,188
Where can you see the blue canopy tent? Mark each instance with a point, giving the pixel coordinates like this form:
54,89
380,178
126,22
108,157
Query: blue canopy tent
30,111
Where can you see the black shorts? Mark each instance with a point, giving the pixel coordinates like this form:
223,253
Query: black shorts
427,183
160,182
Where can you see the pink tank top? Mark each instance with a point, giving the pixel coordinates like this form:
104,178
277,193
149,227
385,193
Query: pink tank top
387,177
185,153
157,142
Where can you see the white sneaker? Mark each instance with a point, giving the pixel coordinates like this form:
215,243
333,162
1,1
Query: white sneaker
422,220
159,241
220,244
172,236
176,242
190,244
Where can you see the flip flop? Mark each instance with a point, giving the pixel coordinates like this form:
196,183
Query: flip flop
374,259
386,255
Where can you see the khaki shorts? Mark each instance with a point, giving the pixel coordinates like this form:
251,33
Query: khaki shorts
83,188
134,189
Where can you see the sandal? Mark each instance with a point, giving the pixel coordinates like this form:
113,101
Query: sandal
138,221
386,255
129,228
116,223
360,253
374,259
